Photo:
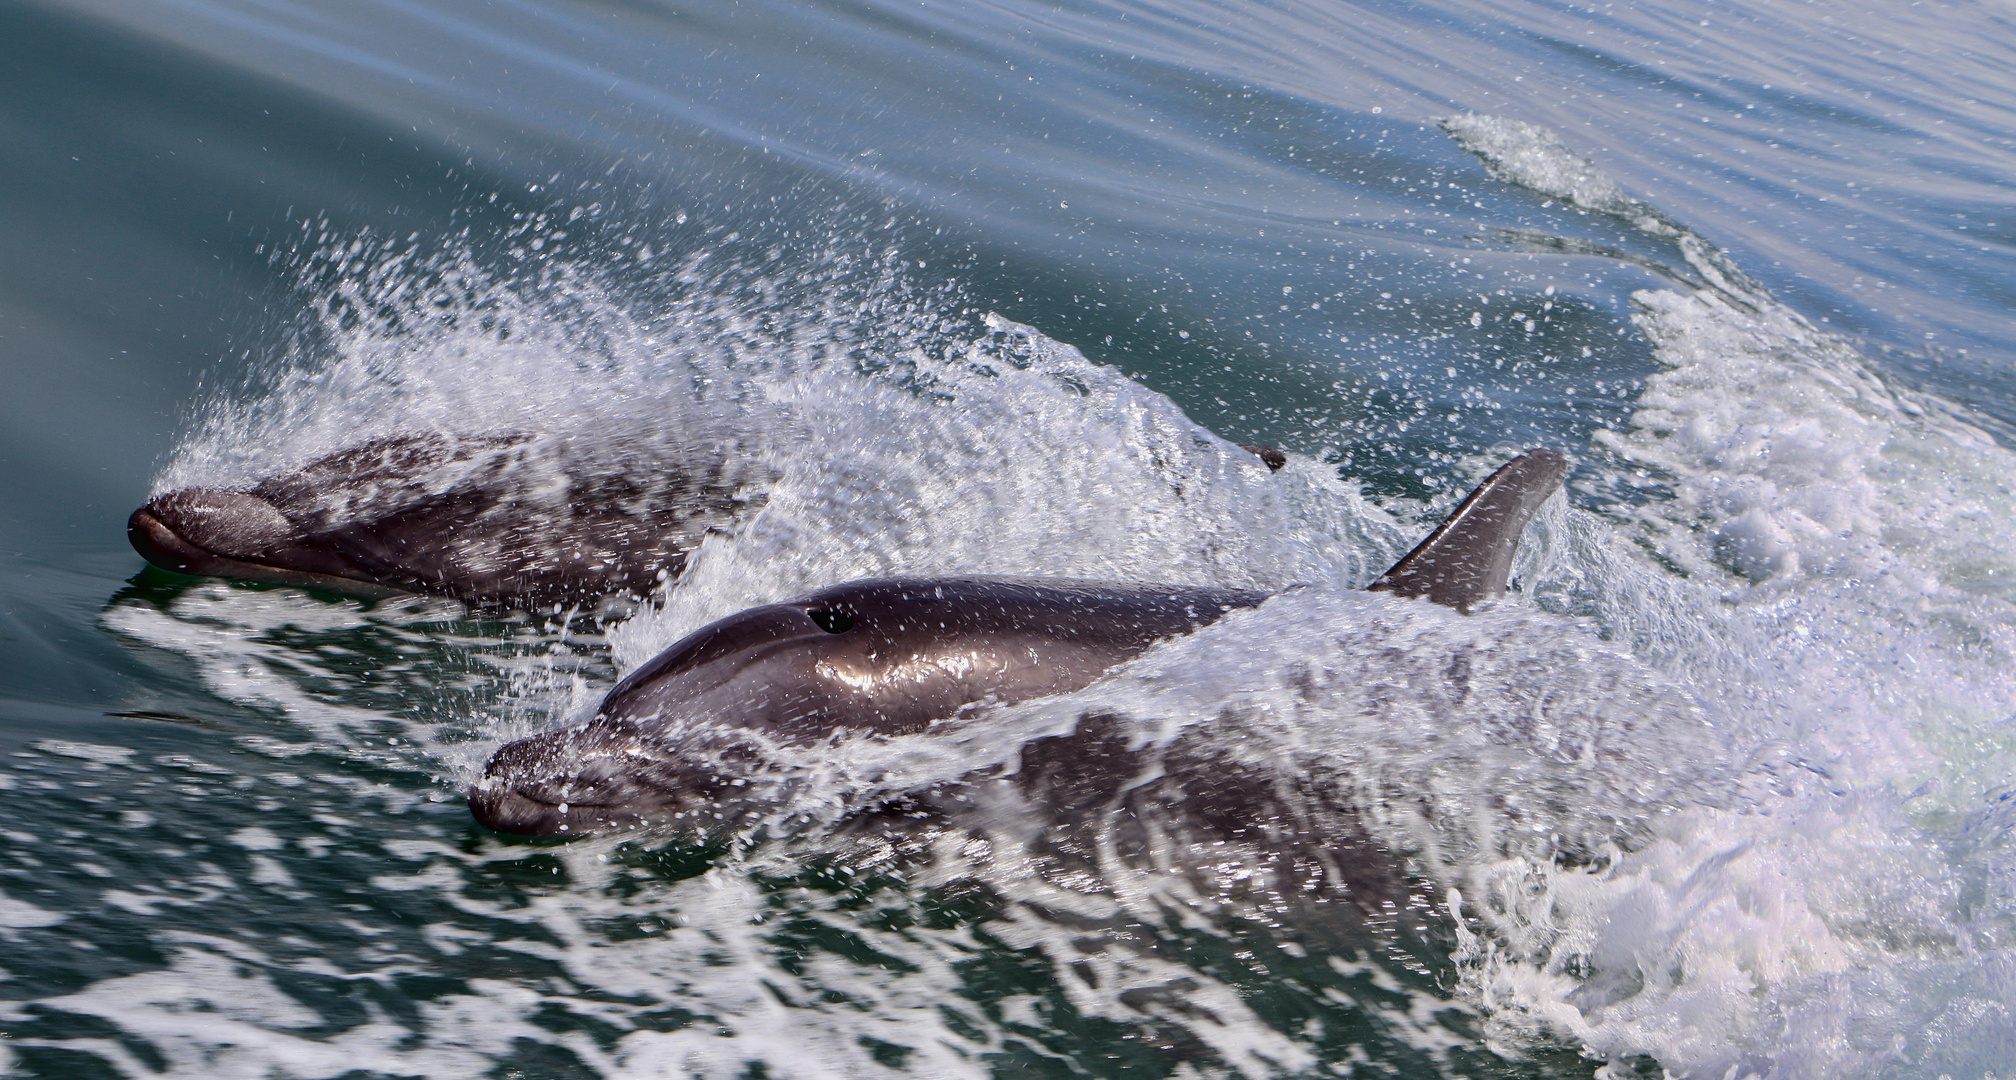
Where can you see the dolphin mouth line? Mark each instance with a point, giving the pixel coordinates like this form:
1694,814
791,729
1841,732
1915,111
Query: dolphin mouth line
503,807
508,790
169,550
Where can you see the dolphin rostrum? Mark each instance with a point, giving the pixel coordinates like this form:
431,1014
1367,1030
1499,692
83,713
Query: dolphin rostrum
891,656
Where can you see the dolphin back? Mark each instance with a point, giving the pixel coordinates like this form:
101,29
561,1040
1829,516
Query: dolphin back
1468,560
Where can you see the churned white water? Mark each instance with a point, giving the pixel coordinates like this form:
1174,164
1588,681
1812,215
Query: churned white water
1847,607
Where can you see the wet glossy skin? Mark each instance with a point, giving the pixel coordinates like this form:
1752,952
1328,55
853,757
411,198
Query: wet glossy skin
1467,560
888,656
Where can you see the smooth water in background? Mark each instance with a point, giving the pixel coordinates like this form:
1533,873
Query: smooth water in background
988,287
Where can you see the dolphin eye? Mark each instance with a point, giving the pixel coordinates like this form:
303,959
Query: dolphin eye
833,622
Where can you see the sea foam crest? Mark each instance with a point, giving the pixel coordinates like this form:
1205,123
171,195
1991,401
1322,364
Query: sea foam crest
1839,536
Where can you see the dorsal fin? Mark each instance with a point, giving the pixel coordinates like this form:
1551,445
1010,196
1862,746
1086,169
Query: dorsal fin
1468,560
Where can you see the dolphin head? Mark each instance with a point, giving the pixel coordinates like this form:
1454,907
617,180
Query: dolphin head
304,527
601,777
675,744
212,532
663,747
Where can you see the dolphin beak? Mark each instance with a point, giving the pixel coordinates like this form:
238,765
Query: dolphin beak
499,806
232,524
208,531
159,544
230,534
585,780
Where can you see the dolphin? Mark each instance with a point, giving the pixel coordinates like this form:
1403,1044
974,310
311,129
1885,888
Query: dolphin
494,520
673,743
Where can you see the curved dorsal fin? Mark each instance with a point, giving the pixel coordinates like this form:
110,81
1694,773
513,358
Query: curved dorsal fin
1467,560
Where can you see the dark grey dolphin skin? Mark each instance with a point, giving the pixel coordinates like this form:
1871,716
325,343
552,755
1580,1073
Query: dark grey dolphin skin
885,655
890,656
495,520
1467,560
454,515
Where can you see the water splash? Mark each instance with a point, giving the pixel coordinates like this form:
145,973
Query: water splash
1846,589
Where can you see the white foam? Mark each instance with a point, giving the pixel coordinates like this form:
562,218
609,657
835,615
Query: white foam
20,914
254,838
1849,585
1534,157
92,752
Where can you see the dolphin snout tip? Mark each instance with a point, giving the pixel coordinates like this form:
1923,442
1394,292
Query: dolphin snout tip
499,806
568,783
503,807
234,524
199,530
159,544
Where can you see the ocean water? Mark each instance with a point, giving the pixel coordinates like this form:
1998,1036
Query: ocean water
1725,788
